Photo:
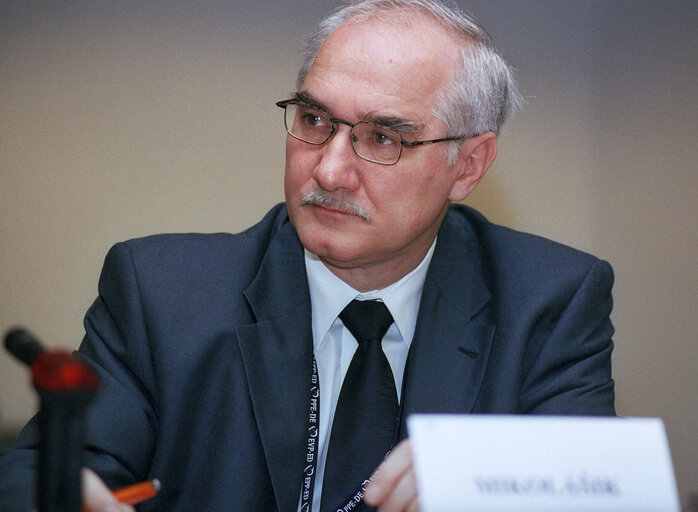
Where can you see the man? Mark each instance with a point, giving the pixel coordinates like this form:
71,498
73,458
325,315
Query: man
207,344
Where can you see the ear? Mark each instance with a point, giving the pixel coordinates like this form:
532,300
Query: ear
475,157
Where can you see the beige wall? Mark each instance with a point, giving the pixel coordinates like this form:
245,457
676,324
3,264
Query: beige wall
120,119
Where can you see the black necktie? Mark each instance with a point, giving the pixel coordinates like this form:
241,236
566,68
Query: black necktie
366,416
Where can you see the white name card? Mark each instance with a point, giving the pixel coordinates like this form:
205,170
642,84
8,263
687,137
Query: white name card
469,463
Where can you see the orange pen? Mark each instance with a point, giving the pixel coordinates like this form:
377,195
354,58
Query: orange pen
137,493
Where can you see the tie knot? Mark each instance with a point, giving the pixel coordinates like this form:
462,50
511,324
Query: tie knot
366,319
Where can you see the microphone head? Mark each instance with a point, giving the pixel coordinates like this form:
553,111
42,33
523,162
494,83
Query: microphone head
23,345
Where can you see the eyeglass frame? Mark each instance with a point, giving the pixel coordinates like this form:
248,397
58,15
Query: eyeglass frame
336,120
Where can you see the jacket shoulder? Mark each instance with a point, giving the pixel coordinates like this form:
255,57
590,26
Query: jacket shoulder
509,245
181,260
168,247
526,261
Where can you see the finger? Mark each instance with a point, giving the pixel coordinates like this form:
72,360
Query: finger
97,497
411,506
403,496
389,473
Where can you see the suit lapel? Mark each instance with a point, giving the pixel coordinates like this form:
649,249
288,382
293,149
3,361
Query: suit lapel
277,354
447,359
453,336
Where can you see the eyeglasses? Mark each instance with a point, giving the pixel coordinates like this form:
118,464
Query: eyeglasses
370,141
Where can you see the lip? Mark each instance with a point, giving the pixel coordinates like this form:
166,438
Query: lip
330,212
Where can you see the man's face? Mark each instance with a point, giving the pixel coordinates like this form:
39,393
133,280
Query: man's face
367,72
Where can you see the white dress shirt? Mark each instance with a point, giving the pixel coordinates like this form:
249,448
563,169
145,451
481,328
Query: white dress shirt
334,345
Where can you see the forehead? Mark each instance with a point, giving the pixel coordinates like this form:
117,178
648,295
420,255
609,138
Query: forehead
385,66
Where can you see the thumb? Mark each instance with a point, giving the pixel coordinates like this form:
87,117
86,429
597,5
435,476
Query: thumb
96,497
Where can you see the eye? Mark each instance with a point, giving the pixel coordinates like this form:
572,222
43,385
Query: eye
312,118
382,138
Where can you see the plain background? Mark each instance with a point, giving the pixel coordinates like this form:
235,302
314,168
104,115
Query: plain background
125,118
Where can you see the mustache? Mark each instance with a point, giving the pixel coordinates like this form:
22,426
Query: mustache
324,198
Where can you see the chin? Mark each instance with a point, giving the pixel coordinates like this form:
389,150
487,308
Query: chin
331,248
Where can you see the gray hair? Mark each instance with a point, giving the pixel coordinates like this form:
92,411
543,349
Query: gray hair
484,91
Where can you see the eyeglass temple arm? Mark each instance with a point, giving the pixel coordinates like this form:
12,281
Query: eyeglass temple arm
433,141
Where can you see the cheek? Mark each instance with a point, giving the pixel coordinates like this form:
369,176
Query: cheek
419,182
415,197
438,178
299,166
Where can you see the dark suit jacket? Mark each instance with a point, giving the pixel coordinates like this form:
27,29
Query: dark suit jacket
204,347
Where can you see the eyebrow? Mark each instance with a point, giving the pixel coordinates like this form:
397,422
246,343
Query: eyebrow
394,123
308,99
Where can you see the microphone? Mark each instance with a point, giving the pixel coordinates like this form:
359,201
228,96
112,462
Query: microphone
23,345
53,371
65,384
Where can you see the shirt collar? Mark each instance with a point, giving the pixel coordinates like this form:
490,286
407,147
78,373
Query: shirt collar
329,295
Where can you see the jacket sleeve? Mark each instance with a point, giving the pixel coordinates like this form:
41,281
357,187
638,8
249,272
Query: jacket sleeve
569,370
122,419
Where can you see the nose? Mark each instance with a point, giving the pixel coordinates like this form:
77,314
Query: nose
337,167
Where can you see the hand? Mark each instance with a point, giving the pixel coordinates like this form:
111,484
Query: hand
393,488
96,497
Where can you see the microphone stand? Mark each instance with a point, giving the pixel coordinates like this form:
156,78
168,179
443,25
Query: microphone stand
65,385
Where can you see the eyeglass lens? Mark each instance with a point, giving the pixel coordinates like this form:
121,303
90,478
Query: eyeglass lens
370,142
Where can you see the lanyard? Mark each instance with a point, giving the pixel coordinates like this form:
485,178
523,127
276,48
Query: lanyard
312,451
312,447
